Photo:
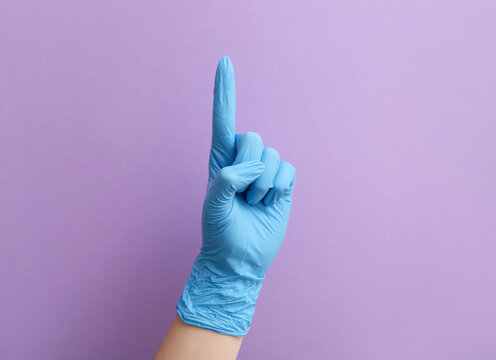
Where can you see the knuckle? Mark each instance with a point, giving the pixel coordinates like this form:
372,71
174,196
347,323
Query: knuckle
290,167
252,136
271,152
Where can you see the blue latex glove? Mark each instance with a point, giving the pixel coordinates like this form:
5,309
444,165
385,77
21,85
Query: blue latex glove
244,220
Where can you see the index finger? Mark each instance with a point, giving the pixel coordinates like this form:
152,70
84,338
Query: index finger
223,138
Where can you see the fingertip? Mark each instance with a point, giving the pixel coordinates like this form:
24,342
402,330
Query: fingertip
251,198
269,198
225,61
224,70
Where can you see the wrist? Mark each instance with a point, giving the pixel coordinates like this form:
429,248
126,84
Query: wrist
219,300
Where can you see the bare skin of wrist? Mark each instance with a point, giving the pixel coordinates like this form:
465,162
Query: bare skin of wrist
188,342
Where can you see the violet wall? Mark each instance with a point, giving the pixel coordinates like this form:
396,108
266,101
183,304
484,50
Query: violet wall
386,108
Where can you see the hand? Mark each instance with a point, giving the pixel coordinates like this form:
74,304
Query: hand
244,220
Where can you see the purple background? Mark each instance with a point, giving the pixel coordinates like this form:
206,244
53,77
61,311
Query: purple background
386,108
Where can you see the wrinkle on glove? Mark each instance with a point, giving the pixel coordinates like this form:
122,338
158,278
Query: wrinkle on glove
225,304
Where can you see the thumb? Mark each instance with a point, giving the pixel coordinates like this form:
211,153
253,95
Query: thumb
226,183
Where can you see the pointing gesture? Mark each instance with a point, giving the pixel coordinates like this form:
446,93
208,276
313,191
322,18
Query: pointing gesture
244,220
223,150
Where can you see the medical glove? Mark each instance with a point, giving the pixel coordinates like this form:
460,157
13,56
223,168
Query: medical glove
244,220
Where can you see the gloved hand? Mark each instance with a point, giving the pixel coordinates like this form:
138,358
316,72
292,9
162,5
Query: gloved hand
244,220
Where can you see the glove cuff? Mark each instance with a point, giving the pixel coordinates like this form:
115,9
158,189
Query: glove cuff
219,302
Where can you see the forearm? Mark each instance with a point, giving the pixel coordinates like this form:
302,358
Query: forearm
188,342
